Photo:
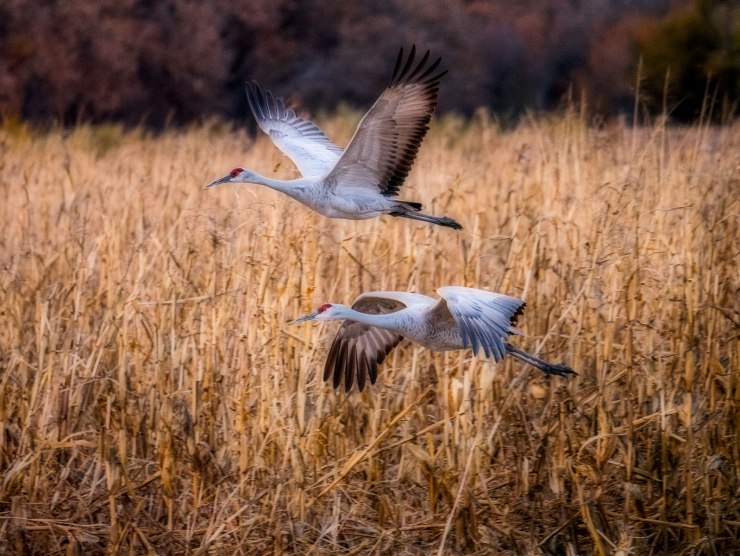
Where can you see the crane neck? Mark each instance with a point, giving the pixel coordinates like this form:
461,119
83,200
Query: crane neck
288,187
389,321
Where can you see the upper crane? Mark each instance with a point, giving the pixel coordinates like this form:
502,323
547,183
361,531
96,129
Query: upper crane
361,181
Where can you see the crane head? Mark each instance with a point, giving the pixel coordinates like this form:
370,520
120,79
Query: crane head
231,176
327,311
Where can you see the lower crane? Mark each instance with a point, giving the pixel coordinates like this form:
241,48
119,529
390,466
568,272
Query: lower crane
462,318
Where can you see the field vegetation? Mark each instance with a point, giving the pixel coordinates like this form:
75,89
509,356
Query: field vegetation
154,400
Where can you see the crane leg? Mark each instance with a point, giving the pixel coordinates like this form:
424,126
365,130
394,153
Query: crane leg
439,220
541,364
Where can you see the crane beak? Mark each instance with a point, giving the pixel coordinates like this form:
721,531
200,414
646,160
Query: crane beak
309,316
225,179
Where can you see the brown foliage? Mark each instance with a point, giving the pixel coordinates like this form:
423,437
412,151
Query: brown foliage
692,57
156,61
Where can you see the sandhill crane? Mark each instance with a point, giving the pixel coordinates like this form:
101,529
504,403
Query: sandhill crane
462,318
361,181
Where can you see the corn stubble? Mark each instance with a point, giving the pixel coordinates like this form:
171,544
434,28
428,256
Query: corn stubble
153,400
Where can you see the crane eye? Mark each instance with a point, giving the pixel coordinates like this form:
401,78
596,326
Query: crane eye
324,307
236,171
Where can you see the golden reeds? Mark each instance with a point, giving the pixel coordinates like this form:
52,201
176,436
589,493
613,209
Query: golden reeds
153,400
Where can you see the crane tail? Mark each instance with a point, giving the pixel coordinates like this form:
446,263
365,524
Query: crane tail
541,364
414,214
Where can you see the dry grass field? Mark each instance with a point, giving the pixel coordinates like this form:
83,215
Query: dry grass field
154,400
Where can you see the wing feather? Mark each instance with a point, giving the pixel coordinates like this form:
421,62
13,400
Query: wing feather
351,363
301,140
362,369
331,360
385,144
358,349
486,319
341,356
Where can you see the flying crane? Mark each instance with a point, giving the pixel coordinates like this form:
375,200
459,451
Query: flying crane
363,180
461,318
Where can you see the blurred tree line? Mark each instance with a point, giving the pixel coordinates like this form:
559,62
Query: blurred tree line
173,61
692,60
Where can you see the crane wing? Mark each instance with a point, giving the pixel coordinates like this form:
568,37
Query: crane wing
486,319
386,141
301,140
358,348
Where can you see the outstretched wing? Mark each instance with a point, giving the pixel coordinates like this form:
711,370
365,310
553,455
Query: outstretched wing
385,144
486,319
301,140
358,348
